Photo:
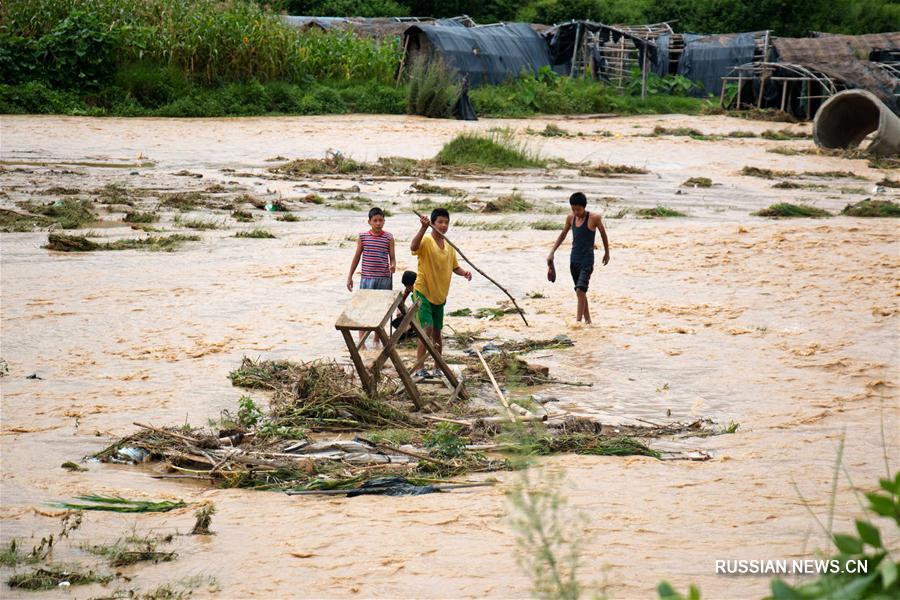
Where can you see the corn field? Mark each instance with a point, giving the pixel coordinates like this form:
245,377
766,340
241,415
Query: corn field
211,42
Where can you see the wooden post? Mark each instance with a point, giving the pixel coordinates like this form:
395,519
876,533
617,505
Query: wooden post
575,50
503,401
644,74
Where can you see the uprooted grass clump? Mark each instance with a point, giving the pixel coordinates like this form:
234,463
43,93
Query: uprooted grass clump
788,210
437,190
336,163
132,549
80,243
872,208
12,221
610,170
513,202
702,182
50,577
140,217
658,212
203,519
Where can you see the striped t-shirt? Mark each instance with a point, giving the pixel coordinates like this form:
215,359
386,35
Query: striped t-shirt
376,258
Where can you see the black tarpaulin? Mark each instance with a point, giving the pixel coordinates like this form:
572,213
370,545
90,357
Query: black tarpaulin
708,58
490,54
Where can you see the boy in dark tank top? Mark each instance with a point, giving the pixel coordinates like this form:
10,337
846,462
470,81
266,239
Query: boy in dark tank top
584,226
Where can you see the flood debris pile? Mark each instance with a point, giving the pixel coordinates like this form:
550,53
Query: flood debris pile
320,431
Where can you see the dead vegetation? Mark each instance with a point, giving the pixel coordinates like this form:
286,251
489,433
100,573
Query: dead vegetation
611,170
872,208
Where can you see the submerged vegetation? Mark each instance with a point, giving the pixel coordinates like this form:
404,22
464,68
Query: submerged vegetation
787,210
79,243
497,150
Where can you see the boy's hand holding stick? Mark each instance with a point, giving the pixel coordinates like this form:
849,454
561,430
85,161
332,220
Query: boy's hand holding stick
426,221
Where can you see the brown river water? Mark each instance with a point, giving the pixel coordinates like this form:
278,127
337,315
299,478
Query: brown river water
787,327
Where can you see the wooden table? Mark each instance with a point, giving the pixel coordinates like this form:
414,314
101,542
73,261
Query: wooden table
370,311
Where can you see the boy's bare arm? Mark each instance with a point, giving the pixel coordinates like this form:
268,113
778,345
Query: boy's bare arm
560,238
460,271
354,264
417,239
602,231
393,256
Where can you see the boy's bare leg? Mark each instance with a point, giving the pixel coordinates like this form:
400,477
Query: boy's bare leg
420,349
580,296
587,311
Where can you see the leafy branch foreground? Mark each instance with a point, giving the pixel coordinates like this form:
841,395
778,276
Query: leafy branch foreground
291,445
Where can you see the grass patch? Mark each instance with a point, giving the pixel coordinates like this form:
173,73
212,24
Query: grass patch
784,135
740,134
501,225
513,202
183,200
684,132
552,130
609,170
497,150
437,190
546,225
785,151
288,218
72,467
198,224
787,210
258,234
242,216
50,576
872,208
12,221
68,213
78,243
793,185
702,182
426,205
884,162
335,163
114,194
765,173
141,217
391,436
433,89
658,212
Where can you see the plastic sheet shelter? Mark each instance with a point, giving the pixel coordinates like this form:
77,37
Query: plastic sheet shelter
846,58
708,58
567,39
487,54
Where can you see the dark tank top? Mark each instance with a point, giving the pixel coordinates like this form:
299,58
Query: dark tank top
582,242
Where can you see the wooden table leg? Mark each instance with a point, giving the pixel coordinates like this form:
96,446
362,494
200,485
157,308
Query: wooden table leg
395,337
408,383
365,379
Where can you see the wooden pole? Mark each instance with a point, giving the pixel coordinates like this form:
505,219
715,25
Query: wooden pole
644,74
503,401
485,275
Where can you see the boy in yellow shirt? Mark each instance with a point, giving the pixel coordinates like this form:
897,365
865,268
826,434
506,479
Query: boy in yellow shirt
437,263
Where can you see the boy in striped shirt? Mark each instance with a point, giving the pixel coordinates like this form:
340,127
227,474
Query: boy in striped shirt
375,249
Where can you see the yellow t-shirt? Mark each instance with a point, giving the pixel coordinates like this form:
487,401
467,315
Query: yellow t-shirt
435,269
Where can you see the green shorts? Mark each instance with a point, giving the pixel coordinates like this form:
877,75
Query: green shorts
430,315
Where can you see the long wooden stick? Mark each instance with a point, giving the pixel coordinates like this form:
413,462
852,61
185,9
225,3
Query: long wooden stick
485,275
440,488
503,401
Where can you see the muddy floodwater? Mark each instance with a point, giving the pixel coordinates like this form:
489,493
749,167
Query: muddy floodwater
788,328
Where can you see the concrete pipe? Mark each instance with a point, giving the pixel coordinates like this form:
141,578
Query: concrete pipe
849,116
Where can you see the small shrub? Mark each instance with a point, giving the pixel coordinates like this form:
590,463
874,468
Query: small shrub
141,217
547,225
433,89
703,182
445,442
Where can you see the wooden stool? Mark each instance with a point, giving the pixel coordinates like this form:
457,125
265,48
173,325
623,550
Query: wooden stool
370,311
